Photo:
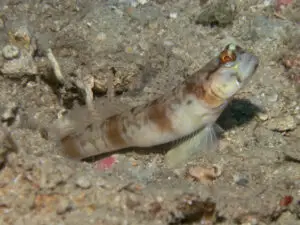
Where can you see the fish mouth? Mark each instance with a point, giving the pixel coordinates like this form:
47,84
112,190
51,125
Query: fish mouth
249,65
254,60
256,64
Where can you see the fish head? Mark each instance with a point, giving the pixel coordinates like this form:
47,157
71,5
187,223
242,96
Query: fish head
235,68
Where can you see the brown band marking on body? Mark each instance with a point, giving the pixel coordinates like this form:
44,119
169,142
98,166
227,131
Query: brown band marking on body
204,92
71,147
114,131
157,113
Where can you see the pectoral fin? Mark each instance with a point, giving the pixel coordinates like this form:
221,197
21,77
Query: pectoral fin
191,146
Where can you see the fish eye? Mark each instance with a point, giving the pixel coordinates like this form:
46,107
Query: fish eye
227,56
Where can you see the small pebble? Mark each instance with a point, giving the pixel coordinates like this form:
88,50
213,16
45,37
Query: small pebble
63,206
168,43
10,52
262,116
240,179
83,182
101,36
129,50
142,2
173,15
273,97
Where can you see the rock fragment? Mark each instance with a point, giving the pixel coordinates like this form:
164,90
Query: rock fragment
10,115
63,206
262,116
281,124
10,52
7,144
18,67
241,179
83,182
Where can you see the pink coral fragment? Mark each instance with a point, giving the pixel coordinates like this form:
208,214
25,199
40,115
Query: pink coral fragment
105,163
282,3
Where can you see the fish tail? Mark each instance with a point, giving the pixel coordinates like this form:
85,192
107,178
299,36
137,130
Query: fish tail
95,139
64,131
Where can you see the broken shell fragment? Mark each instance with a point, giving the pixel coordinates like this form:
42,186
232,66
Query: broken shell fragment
205,175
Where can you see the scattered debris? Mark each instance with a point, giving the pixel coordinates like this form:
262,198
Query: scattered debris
46,201
292,63
217,13
191,208
250,218
282,124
